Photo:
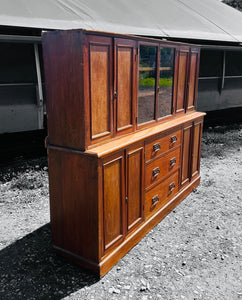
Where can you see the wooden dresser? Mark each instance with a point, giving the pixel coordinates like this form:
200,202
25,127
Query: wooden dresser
124,139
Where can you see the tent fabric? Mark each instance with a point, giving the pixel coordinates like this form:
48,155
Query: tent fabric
189,19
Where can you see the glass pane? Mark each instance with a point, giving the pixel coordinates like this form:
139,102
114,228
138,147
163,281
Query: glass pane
147,83
165,82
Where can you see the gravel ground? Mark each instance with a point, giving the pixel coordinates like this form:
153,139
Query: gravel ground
194,253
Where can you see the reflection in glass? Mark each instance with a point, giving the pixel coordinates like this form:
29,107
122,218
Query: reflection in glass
147,83
165,82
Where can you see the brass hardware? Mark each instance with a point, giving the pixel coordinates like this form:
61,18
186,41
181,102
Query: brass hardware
172,161
156,147
173,139
156,172
155,199
172,186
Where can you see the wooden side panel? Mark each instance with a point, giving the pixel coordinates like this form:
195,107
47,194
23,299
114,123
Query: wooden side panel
113,198
74,203
186,154
181,83
193,77
124,85
98,88
196,152
62,52
135,175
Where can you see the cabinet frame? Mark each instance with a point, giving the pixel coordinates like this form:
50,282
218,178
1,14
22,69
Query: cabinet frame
97,174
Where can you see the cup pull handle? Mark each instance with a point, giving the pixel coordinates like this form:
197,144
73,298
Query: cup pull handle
156,147
172,186
156,172
173,139
155,199
172,161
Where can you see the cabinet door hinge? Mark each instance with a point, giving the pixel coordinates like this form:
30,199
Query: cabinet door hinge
126,199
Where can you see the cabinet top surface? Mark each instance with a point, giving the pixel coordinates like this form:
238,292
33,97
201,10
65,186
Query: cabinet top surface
125,141
117,35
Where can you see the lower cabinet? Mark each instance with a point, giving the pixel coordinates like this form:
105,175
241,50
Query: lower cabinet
191,151
113,202
122,191
105,200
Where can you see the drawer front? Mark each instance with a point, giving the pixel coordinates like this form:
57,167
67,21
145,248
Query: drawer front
160,145
160,194
157,169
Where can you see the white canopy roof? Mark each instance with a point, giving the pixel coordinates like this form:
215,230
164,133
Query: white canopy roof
189,19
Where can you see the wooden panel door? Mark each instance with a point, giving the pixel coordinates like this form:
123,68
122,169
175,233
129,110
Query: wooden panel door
124,85
182,80
113,200
193,79
196,149
134,185
186,154
99,75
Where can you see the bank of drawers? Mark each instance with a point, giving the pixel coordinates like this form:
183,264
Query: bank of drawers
161,170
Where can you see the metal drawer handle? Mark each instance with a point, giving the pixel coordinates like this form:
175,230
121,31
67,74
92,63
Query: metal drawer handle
156,172
172,186
156,147
173,139
155,199
172,161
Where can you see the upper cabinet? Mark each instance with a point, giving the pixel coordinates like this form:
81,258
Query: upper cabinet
101,86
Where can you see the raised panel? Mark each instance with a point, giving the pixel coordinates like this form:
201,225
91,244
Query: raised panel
134,186
192,80
113,201
100,81
186,145
197,131
124,84
182,76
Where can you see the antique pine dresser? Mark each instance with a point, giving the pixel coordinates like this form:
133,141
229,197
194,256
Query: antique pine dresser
124,139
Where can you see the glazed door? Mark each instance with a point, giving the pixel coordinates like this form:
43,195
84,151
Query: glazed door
134,185
113,196
124,85
193,79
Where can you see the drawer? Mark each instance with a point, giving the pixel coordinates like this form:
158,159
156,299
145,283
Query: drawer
160,194
160,145
162,166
